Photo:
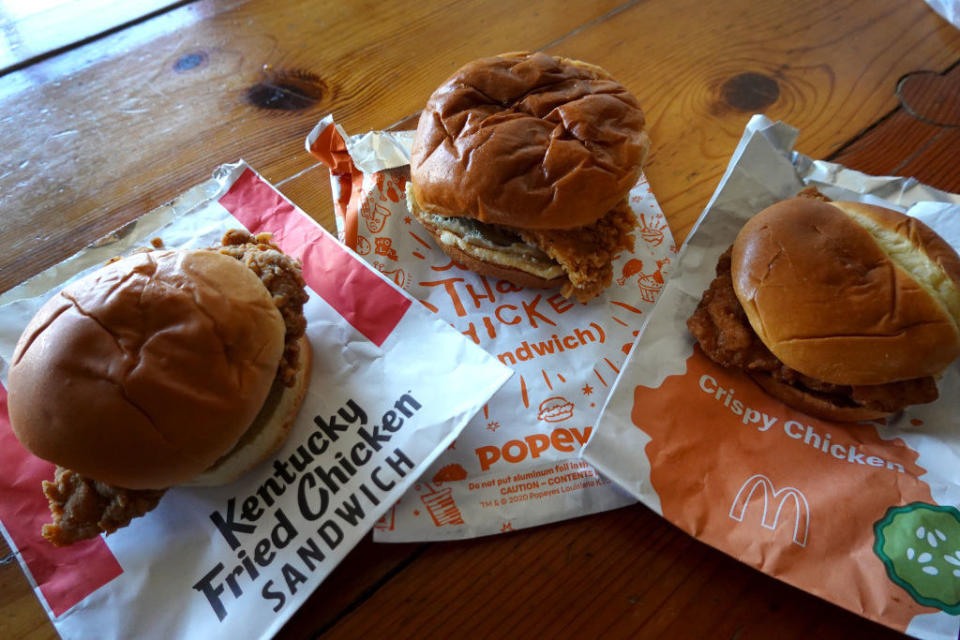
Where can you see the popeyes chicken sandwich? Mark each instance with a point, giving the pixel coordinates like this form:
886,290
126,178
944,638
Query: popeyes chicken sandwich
160,369
843,310
521,166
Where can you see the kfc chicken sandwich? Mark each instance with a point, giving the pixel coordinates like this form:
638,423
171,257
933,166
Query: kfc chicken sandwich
521,166
843,310
162,368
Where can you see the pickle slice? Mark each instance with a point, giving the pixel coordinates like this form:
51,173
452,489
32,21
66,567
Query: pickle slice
919,545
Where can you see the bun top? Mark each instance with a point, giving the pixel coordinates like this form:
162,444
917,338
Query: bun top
529,141
144,373
849,293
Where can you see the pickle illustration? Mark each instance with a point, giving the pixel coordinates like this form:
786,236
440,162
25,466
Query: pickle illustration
919,545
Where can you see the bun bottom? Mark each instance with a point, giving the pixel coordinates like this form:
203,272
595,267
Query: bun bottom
268,431
814,404
510,274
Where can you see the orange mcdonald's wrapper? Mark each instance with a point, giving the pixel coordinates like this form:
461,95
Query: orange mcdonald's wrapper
863,515
517,463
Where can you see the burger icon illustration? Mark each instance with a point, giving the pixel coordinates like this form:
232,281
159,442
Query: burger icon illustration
450,473
555,409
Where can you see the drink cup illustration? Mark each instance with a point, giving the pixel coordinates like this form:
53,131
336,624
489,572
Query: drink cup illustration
440,505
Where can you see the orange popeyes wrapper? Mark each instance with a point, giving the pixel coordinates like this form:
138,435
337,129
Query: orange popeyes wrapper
517,463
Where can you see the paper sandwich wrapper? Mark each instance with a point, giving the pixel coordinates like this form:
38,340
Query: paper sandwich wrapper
517,463
863,515
391,388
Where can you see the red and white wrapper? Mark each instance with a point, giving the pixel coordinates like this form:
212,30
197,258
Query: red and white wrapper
392,386
516,464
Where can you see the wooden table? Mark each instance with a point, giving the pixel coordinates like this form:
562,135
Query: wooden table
98,132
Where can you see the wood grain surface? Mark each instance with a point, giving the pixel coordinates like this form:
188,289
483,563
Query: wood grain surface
34,30
102,133
921,139
98,146
622,574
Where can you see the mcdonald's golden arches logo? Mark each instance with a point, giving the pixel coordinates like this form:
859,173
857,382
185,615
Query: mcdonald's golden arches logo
761,484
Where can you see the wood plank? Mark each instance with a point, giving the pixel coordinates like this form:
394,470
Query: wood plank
907,143
33,29
359,574
622,574
888,146
90,174
903,146
91,146
21,615
932,97
936,165
702,69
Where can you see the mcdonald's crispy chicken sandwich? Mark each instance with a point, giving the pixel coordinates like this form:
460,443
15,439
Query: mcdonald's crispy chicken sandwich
162,368
520,170
843,310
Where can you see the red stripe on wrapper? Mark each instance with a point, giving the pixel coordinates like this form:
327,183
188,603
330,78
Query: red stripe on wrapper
65,575
368,302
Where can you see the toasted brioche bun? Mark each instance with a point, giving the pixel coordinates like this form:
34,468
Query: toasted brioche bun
269,429
528,141
144,373
814,404
849,293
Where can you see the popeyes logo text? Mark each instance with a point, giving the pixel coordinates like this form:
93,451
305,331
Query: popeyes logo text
516,451
539,312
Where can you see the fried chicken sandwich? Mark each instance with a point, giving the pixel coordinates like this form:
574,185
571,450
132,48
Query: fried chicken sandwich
843,310
162,368
521,166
